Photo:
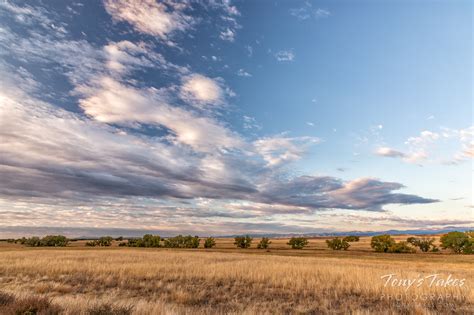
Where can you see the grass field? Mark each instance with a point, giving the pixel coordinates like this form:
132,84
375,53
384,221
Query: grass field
81,280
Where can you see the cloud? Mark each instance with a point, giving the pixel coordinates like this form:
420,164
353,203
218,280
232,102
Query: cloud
228,35
421,148
201,91
389,152
149,16
126,151
243,73
110,101
306,11
280,149
285,55
329,192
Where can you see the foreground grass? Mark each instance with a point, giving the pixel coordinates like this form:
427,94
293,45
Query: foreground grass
160,281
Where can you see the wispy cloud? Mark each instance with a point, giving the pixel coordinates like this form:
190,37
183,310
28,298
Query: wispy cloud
285,55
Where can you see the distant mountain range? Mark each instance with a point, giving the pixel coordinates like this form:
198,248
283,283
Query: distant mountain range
364,233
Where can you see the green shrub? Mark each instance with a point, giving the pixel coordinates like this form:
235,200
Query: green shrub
338,244
209,242
49,240
181,241
54,240
102,241
147,240
243,241
401,247
382,243
264,243
458,242
425,244
298,242
351,238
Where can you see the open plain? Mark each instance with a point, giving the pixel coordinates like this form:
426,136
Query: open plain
314,280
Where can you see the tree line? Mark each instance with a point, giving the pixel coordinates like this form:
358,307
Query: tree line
458,242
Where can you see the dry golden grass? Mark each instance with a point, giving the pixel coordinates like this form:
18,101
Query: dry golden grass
316,280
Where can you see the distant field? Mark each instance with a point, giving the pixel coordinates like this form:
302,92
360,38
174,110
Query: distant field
81,280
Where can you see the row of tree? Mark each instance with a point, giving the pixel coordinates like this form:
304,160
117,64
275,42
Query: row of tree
49,240
458,242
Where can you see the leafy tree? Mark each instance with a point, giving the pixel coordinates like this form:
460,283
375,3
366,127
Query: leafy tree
401,247
54,240
264,243
243,241
382,243
119,239
338,244
458,242
351,238
181,241
32,241
425,244
209,242
298,242
49,240
150,240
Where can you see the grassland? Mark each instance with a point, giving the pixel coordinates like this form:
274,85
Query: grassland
315,280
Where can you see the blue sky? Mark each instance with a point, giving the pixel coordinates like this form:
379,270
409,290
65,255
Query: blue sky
235,117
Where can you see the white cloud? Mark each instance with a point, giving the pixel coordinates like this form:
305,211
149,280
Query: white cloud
110,101
243,73
201,91
280,149
148,16
306,11
228,35
285,55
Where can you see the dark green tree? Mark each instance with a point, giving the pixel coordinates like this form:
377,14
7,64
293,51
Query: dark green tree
298,242
264,243
243,241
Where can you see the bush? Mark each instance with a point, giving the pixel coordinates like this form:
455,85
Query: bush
401,247
243,241
338,244
54,240
298,242
209,242
458,242
351,238
382,243
119,239
49,240
102,241
181,241
147,240
264,243
425,244
31,305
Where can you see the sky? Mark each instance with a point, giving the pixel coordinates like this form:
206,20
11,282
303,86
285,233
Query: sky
232,117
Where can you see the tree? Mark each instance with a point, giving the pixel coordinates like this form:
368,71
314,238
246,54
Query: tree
338,244
119,239
298,242
181,241
458,242
351,238
264,243
425,244
243,241
401,247
382,243
209,242
150,240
